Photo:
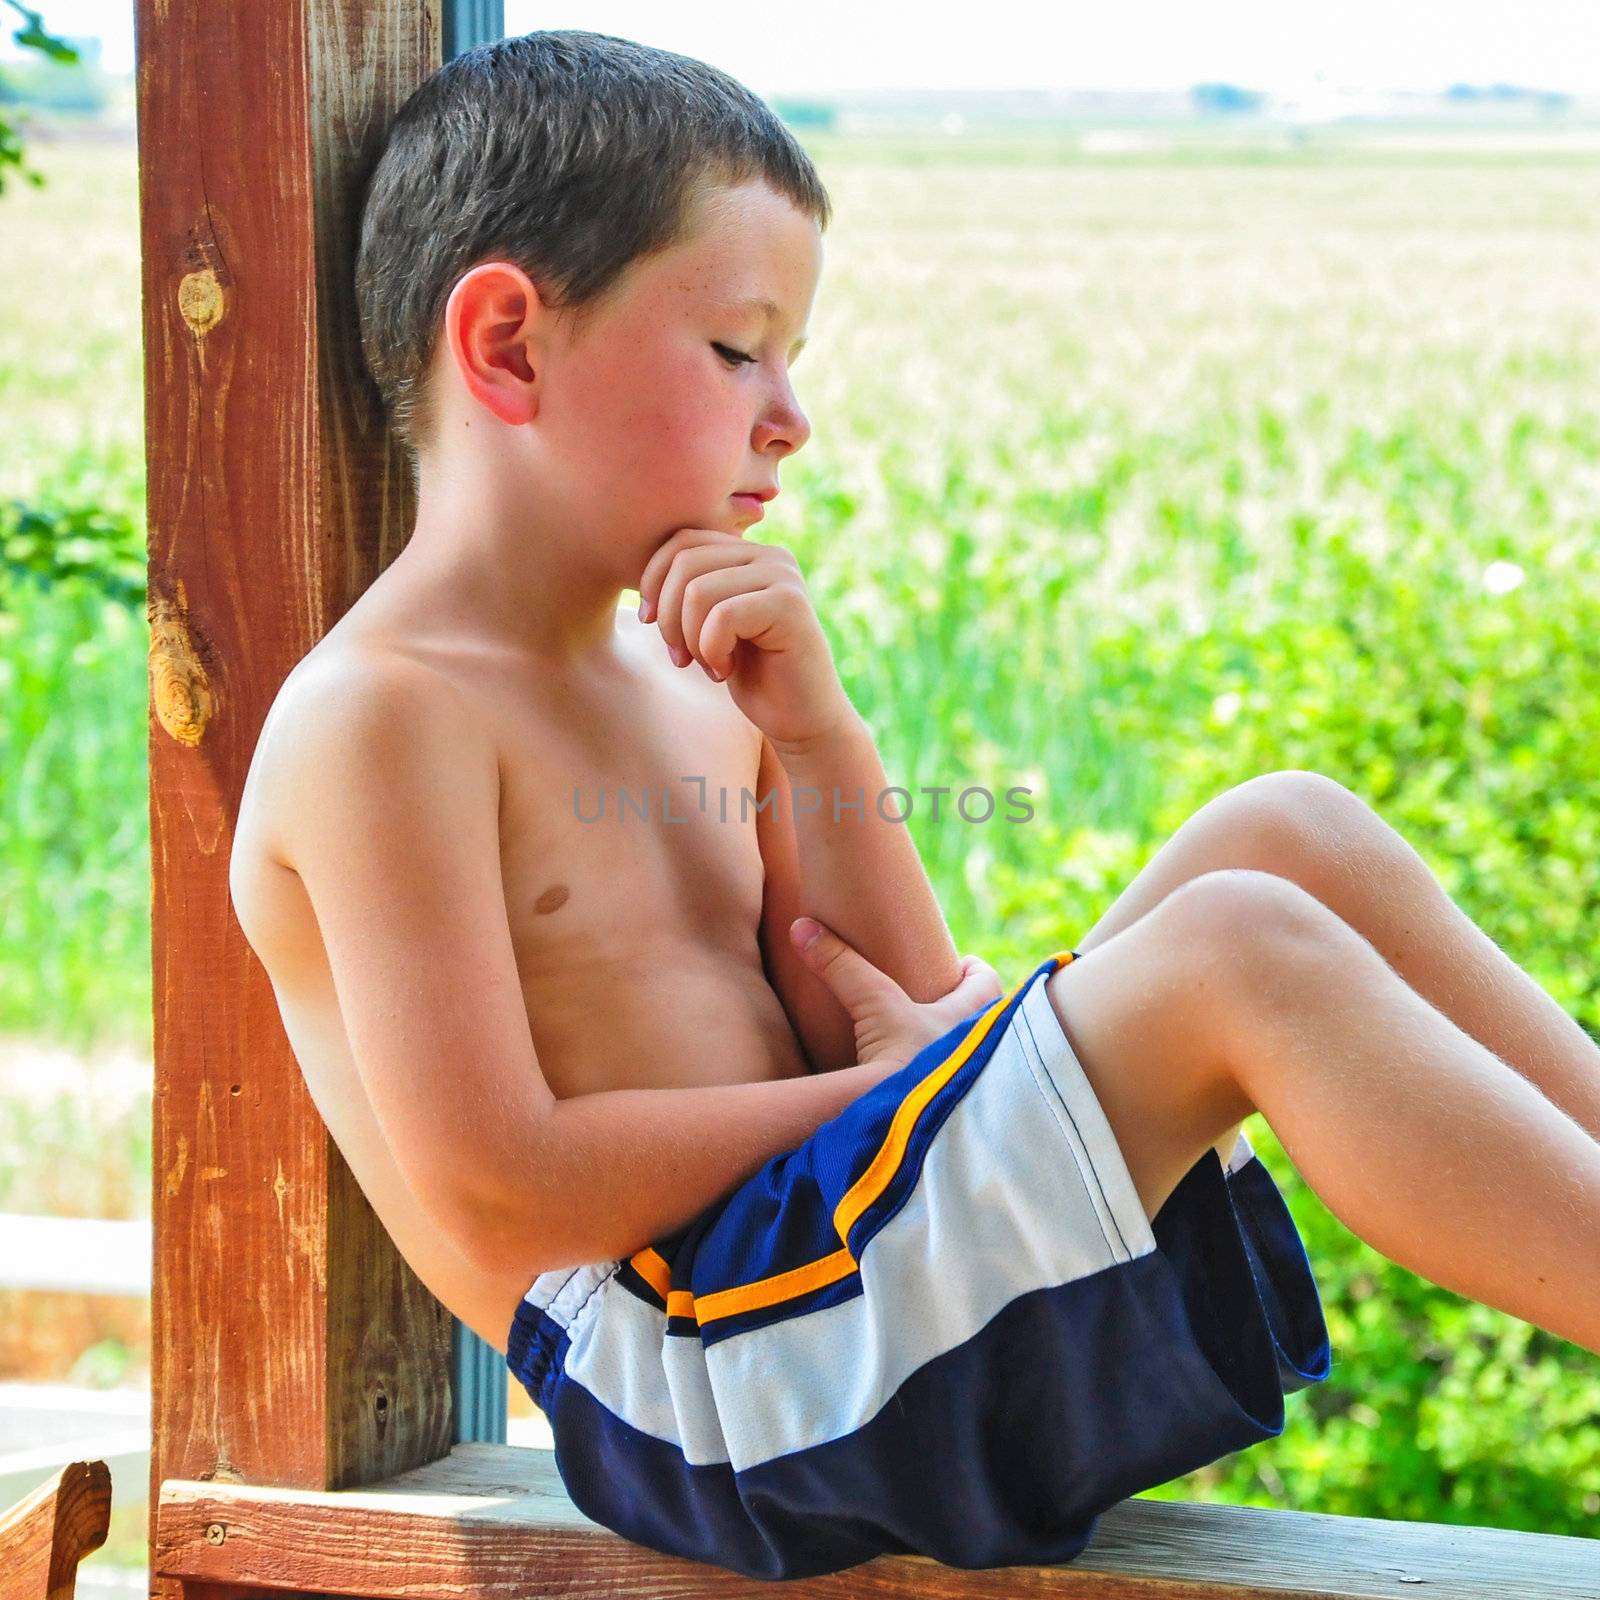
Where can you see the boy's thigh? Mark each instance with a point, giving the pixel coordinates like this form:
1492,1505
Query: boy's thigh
1147,1020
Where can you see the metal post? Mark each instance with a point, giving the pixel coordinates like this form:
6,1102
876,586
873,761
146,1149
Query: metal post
478,1372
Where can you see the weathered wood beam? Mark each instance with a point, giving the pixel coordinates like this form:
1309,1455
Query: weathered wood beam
493,1522
291,1344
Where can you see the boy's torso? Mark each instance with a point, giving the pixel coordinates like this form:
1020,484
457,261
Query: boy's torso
635,938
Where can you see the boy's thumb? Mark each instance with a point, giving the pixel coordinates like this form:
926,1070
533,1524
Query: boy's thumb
853,979
810,938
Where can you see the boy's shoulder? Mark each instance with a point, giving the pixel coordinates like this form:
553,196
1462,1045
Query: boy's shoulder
365,666
342,672
343,682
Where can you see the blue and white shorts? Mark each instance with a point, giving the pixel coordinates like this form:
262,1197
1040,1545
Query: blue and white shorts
943,1325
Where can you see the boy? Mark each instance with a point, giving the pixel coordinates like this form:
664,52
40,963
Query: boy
808,1252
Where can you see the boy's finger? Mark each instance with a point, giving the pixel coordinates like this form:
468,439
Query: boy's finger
749,615
661,559
981,987
712,621
692,562
979,984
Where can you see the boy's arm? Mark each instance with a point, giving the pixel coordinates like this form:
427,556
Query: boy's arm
386,794
602,1175
861,876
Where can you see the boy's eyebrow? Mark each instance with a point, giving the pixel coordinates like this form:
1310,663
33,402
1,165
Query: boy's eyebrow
770,309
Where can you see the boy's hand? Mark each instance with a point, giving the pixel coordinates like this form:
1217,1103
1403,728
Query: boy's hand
890,1026
743,612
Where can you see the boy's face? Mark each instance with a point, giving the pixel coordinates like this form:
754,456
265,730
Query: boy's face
651,413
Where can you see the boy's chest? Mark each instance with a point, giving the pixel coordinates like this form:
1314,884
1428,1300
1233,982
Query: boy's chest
622,828
633,876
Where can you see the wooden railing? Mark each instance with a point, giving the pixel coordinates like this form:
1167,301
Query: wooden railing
47,1533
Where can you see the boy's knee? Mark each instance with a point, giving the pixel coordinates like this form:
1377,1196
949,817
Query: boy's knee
1259,946
1244,920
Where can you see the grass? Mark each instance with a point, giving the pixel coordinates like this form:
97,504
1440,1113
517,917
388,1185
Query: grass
1130,478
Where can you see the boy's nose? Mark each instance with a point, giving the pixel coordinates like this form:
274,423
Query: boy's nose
788,424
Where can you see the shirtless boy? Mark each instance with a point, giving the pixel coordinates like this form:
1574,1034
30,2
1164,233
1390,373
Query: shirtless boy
547,1045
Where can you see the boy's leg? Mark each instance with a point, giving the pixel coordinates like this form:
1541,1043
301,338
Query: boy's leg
1241,992
1313,831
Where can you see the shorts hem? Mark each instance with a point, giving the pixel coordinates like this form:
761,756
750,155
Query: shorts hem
1226,1235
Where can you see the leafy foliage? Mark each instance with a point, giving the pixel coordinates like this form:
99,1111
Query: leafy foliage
50,545
32,35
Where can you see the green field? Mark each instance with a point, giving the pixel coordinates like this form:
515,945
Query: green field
1130,478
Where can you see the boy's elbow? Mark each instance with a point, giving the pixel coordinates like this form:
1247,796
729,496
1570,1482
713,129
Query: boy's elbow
499,1249
473,1215
499,1238
513,1235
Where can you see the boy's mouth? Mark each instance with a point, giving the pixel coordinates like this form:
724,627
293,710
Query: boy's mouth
750,505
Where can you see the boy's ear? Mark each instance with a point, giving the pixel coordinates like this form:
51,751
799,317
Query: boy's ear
490,325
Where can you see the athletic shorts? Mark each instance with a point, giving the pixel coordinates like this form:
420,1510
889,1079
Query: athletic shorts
942,1325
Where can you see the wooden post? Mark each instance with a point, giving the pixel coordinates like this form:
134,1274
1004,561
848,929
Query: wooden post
291,1344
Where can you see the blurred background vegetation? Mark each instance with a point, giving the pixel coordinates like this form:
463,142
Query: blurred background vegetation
1137,469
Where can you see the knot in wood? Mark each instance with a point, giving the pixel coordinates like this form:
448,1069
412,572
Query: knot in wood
179,688
200,301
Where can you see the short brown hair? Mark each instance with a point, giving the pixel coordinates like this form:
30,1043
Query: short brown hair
567,152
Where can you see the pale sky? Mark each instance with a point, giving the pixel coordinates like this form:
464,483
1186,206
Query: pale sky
1280,45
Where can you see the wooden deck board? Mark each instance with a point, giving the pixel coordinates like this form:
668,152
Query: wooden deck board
494,1520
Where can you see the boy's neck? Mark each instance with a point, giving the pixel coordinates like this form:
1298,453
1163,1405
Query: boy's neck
507,571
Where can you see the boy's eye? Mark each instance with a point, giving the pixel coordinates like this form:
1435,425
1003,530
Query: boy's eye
735,357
